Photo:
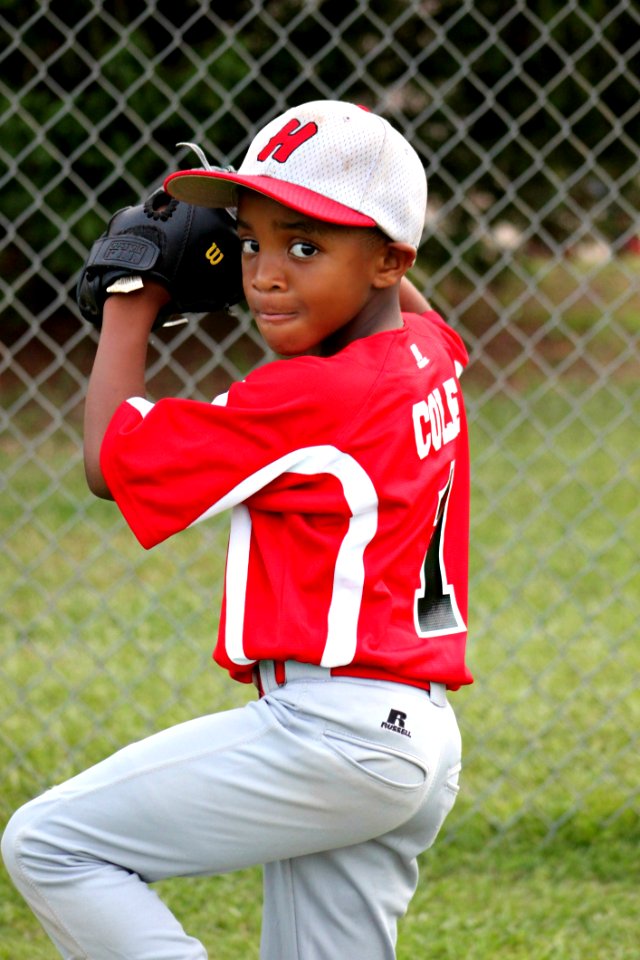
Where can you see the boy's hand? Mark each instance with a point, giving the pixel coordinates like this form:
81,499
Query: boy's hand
194,252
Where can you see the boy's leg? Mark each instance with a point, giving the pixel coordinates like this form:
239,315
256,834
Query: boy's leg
253,785
347,902
83,853
343,903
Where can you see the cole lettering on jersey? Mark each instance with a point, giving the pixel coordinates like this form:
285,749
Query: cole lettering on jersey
436,420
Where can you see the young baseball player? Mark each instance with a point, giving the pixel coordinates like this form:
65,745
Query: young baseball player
345,467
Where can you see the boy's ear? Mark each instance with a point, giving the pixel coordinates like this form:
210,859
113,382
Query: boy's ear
395,260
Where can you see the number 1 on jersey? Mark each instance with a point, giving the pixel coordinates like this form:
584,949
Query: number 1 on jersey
436,610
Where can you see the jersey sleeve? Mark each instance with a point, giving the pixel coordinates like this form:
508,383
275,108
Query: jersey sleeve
172,463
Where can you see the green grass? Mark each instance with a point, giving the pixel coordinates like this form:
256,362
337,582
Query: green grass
103,643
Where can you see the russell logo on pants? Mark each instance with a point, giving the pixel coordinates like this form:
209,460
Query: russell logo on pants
396,722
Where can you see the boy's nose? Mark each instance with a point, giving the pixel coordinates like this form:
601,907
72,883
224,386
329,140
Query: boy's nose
268,274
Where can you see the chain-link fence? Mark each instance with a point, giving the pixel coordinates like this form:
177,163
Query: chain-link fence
527,117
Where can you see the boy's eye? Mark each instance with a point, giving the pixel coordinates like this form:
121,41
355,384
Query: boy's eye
249,245
303,249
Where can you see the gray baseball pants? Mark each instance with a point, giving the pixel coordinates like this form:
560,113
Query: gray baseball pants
334,784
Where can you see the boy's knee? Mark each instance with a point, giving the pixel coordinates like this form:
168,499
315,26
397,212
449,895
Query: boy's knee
20,839
10,841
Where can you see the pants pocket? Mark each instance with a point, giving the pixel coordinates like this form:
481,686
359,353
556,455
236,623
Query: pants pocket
389,767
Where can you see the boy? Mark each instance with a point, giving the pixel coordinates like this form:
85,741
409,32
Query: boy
346,468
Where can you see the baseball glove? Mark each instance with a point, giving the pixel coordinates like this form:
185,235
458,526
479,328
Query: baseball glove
192,251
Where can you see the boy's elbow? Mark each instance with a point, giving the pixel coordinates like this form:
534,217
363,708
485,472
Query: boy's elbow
97,484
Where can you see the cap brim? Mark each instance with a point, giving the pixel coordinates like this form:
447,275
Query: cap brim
219,188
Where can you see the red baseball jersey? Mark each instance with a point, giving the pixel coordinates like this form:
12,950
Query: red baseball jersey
348,482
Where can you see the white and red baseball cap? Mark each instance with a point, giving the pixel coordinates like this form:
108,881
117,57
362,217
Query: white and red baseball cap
330,160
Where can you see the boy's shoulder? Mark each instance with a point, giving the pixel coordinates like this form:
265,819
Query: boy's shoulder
433,329
422,338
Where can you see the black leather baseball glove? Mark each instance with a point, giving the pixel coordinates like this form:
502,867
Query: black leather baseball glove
192,251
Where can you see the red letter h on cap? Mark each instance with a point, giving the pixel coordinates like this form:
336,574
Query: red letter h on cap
282,144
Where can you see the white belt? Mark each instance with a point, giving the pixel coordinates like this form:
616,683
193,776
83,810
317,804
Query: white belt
271,674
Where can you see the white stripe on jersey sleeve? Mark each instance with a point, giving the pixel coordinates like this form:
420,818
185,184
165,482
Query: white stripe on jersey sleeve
236,582
140,404
348,578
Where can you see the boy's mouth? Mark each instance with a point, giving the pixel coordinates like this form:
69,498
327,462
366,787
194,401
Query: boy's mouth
274,317
273,313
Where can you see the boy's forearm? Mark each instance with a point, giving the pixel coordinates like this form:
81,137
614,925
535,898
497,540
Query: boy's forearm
118,370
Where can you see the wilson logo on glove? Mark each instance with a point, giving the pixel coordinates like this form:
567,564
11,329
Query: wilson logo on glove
214,254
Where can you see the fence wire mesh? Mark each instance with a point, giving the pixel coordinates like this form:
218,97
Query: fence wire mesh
527,119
